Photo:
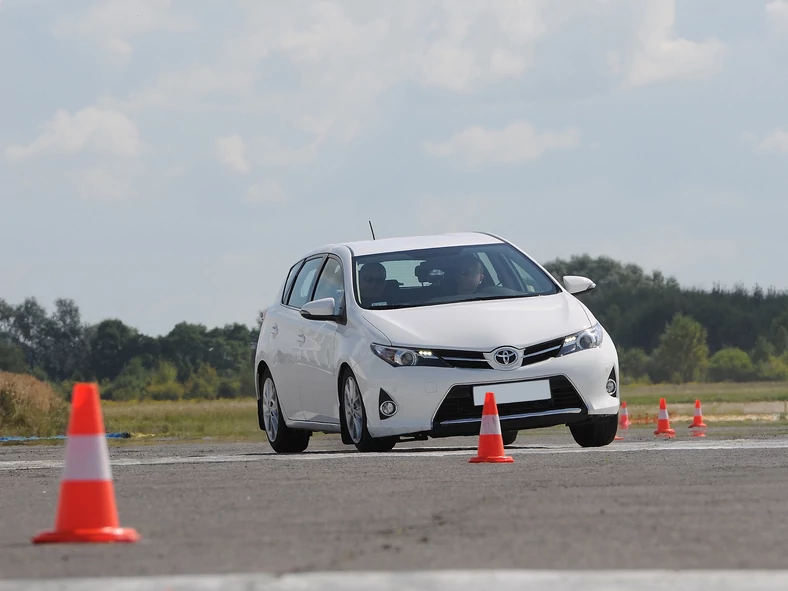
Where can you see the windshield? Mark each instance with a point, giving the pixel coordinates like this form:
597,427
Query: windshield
445,275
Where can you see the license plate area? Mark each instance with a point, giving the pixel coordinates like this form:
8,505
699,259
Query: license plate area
513,392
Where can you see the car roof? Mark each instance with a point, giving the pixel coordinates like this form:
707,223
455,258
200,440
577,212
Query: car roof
400,243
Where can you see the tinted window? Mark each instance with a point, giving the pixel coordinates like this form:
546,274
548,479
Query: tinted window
331,284
449,274
303,283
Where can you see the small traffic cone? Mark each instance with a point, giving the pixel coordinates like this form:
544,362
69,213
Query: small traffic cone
697,421
663,421
86,509
490,439
623,421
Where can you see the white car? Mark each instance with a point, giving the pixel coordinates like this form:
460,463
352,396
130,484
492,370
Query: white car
393,339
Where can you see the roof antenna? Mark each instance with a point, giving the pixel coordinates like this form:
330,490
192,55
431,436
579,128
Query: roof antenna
371,229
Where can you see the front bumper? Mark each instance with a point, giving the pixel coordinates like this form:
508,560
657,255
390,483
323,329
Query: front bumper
438,402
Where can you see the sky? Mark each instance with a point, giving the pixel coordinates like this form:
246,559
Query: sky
168,160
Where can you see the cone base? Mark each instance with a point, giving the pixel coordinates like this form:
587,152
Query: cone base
698,426
96,535
617,438
668,433
492,460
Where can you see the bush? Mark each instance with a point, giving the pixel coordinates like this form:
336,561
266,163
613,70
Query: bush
30,407
731,364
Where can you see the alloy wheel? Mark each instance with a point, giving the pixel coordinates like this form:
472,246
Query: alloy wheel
270,409
354,413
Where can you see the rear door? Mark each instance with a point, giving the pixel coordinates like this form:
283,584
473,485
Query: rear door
291,338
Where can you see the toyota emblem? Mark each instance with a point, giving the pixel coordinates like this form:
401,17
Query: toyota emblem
505,356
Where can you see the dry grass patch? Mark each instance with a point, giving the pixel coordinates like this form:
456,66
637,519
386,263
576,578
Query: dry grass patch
30,407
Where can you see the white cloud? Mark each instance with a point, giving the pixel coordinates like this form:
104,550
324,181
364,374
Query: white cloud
342,58
662,55
105,131
267,192
776,141
516,143
777,13
113,24
231,151
100,185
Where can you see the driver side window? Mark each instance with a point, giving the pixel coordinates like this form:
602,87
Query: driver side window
331,284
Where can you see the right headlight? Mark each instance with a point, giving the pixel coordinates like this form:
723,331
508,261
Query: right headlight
590,338
401,357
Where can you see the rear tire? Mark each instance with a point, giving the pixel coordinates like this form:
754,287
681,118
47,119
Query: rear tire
595,432
353,419
282,438
509,437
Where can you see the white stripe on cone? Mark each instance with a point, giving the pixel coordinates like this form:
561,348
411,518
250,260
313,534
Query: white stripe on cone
490,425
697,412
663,413
87,458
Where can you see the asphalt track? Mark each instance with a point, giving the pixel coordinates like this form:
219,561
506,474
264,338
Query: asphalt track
240,512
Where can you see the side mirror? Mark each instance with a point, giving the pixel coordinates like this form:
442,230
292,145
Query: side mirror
575,284
322,309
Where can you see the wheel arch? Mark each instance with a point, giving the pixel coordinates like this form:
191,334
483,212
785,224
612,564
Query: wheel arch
262,366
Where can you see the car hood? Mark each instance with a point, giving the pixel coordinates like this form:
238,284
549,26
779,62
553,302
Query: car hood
482,325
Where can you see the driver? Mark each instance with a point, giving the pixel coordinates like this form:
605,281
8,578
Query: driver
372,283
468,274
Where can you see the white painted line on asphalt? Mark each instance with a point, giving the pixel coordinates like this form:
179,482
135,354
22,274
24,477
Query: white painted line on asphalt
449,580
414,452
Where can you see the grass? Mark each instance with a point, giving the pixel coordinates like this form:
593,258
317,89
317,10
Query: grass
29,407
706,393
228,419
236,420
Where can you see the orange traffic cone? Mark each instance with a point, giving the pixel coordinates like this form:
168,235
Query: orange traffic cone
623,421
86,509
490,439
697,421
663,421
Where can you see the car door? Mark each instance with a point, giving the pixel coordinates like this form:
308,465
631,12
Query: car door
289,326
317,379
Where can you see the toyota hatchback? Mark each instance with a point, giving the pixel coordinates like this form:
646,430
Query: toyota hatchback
394,339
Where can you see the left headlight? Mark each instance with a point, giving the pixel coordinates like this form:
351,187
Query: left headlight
591,338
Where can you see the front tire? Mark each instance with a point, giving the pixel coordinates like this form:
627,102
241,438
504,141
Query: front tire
509,437
353,419
595,432
282,438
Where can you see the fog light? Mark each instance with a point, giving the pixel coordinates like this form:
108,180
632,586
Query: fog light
388,408
611,387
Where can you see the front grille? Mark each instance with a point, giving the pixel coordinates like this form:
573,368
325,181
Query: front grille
476,360
542,351
463,359
458,403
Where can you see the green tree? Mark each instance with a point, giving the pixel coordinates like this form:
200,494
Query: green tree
682,354
731,365
111,348
635,364
12,359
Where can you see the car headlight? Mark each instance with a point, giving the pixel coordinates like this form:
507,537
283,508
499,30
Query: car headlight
400,357
591,338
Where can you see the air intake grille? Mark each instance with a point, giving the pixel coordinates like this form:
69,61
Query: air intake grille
458,403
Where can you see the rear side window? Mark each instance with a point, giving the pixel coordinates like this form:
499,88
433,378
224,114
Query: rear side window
289,281
303,282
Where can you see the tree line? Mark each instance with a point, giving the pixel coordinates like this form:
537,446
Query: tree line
664,333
